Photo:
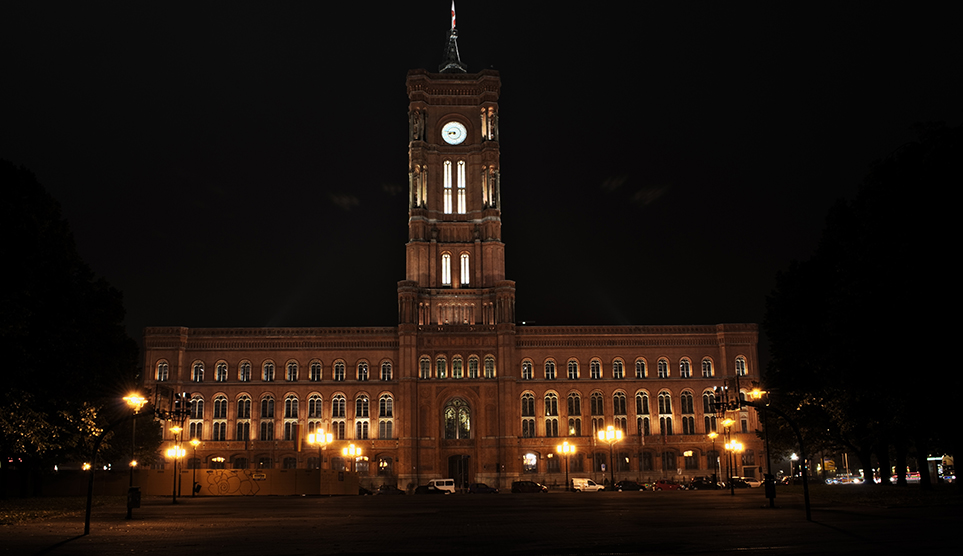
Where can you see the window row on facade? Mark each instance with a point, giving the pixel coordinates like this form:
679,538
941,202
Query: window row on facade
564,417
268,371
291,421
667,460
458,368
573,370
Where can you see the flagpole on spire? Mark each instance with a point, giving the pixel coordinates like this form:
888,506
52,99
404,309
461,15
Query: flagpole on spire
452,14
452,63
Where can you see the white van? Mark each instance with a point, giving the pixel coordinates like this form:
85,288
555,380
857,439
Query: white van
585,485
446,485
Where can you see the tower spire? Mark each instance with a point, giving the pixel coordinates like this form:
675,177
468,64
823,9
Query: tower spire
451,63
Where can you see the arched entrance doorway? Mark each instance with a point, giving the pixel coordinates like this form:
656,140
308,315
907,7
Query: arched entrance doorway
459,469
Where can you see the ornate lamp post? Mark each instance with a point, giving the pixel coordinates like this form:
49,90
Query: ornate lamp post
195,443
354,452
322,440
135,401
175,453
566,450
727,424
734,447
611,435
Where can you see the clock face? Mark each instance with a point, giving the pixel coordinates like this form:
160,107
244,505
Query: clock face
454,133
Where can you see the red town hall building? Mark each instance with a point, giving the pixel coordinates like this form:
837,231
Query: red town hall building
458,389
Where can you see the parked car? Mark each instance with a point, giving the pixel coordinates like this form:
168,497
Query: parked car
388,489
429,489
663,484
752,482
704,483
445,485
581,484
737,482
627,485
481,488
519,487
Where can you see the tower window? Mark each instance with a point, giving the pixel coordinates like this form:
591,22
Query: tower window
447,192
461,187
446,269
465,274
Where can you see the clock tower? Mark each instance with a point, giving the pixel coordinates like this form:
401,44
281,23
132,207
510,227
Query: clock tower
455,256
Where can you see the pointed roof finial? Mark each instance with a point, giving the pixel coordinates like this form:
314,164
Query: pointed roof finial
452,60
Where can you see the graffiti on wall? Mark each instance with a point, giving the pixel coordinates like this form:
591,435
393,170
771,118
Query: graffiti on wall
230,482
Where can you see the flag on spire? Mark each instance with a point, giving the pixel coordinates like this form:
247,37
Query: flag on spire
452,14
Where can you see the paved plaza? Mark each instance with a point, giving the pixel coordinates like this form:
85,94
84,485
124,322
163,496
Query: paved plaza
557,523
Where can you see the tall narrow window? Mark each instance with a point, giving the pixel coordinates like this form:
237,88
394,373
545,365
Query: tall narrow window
220,372
461,187
385,417
446,269
489,367
526,370
447,192
740,366
663,368
618,370
685,368
706,368
457,416
197,374
472,367
550,370
362,371
573,370
267,372
457,368
640,370
385,370
291,417
465,274
441,367
244,372
315,375
339,371
425,367
292,373
163,371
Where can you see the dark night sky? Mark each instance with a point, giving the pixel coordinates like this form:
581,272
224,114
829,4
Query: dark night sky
245,164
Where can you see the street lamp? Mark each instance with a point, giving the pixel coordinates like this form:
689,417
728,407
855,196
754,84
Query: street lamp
175,453
611,435
135,401
354,452
194,442
733,447
727,425
715,457
792,478
322,440
566,450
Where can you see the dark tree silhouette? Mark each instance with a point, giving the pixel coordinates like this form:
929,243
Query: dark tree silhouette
858,332
67,358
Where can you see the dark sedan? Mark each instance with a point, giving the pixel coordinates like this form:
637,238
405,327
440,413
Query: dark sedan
627,485
481,488
519,487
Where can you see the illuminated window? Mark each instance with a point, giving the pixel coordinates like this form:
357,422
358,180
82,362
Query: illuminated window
595,369
425,367
708,402
465,275
457,370
315,407
163,371
457,416
196,429
489,367
386,371
707,368
446,269
315,374
527,373
290,417
741,366
220,372
361,407
338,407
441,367
572,369
472,367
197,407
550,370
574,404
530,463
447,187
363,371
292,371
597,404
197,373
244,372
267,372
220,407
663,368
339,371
386,414
528,405
618,369
685,368
461,188
640,370
386,406
551,404
575,426
267,419
361,429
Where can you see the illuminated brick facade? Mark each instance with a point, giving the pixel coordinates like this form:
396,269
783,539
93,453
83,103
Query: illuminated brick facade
459,389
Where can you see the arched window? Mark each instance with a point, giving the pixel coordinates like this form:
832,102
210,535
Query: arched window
424,366
441,367
528,415
640,370
473,367
163,371
618,369
665,403
338,411
290,417
489,366
267,372
685,368
527,370
244,372
220,407
741,366
446,269
551,414
618,401
457,416
642,402
220,372
197,407
465,277
572,369
292,371
386,413
386,371
267,419
315,407
339,371
595,369
462,202
597,404
315,374
244,407
361,406
457,368
197,372
663,368
447,186
708,402
550,370
243,418
707,368
687,402
363,371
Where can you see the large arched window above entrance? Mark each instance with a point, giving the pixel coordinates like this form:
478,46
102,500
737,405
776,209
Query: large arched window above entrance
457,419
